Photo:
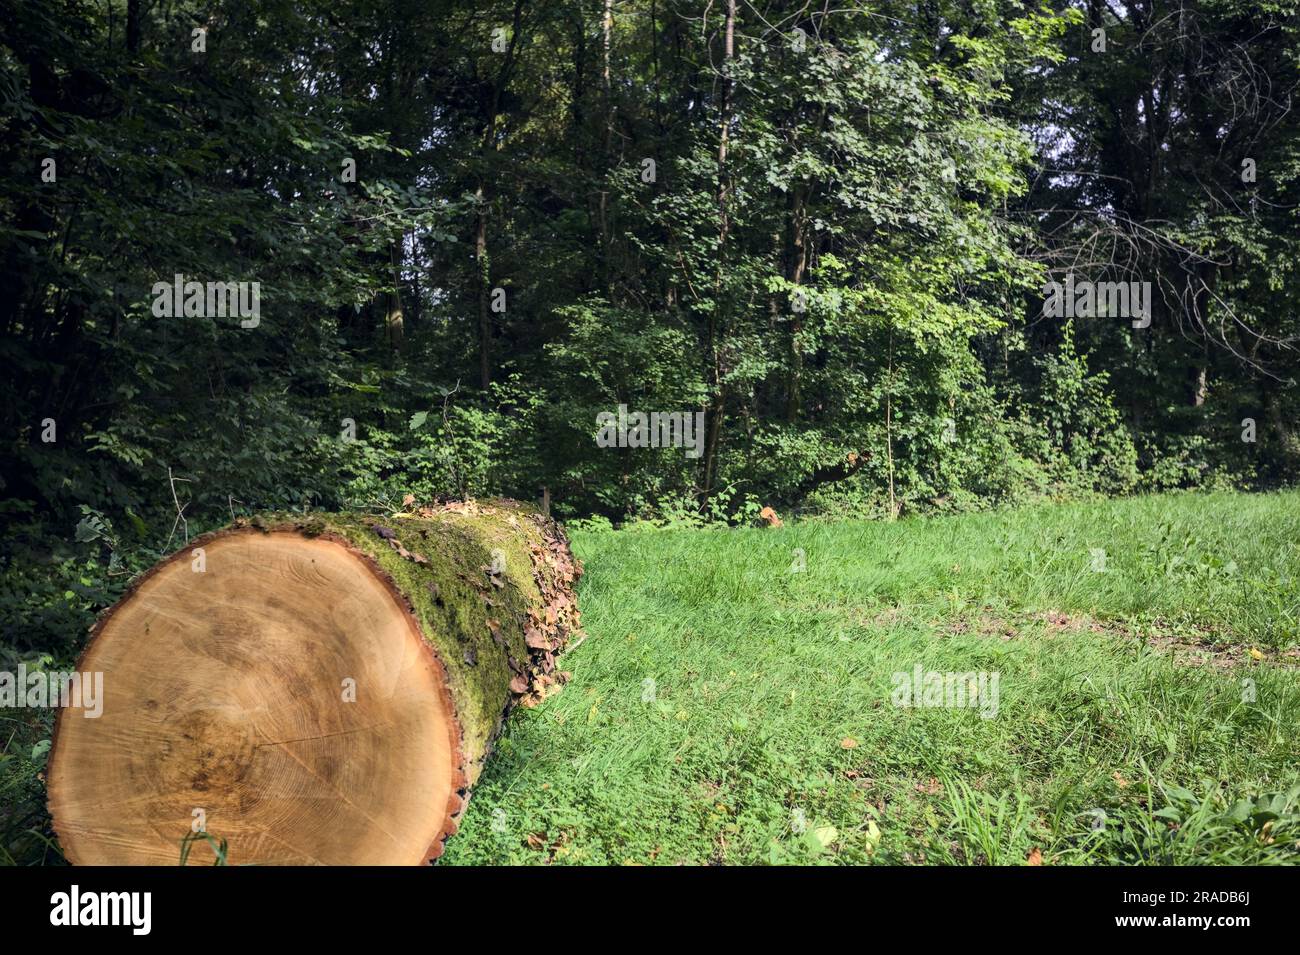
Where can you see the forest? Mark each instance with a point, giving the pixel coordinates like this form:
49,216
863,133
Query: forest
681,263
474,227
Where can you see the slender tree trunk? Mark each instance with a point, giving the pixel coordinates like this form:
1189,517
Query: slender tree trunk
798,264
607,30
394,317
889,425
718,403
607,140
133,26
487,146
654,55
483,269
1198,387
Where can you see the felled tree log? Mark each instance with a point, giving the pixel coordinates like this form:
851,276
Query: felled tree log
319,689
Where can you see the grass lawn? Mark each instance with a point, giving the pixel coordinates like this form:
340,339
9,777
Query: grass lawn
730,707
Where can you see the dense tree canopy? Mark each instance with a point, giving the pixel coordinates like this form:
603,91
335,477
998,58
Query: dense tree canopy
476,227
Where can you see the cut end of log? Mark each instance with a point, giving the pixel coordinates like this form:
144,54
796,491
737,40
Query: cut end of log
308,694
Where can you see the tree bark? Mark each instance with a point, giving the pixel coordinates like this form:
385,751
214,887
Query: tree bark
394,315
133,26
607,142
486,146
319,689
798,265
718,403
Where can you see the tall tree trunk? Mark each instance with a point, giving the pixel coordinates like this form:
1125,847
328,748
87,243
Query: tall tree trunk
133,26
482,272
607,142
718,403
889,425
486,147
798,265
394,317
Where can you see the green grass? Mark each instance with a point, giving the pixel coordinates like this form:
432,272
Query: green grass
1125,732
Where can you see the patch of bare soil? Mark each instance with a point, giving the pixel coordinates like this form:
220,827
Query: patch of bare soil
1209,652
1186,646
1199,647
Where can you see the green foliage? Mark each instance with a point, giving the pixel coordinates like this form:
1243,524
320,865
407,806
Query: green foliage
857,278
850,291
1076,430
768,734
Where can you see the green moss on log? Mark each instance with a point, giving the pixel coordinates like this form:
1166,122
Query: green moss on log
490,584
